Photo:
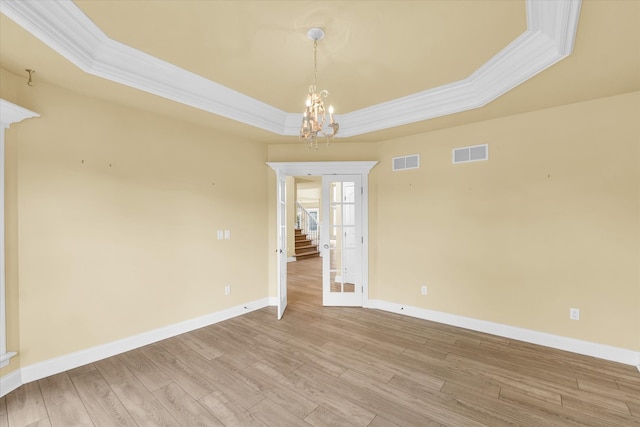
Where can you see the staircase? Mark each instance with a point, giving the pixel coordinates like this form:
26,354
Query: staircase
304,246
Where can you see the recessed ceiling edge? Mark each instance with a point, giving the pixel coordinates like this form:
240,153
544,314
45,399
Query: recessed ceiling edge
549,38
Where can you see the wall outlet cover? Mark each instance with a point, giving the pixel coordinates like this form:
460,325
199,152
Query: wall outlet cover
574,314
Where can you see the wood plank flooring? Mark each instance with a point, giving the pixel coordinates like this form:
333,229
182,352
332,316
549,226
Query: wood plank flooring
332,367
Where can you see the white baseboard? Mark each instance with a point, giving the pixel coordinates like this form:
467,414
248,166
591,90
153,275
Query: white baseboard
601,351
54,366
73,360
10,382
291,259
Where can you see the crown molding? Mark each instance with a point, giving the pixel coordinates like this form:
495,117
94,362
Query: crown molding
65,28
549,38
12,113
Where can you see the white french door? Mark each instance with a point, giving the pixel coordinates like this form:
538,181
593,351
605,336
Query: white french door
342,240
282,245
360,171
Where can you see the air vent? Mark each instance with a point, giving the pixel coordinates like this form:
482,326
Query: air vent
474,153
406,162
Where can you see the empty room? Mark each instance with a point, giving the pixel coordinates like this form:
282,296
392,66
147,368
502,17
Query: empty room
282,213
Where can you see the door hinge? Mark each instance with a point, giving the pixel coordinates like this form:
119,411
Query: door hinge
361,190
362,240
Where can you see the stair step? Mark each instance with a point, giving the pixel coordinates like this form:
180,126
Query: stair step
300,248
307,255
304,246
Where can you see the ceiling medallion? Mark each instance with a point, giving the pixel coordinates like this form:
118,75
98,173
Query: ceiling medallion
314,116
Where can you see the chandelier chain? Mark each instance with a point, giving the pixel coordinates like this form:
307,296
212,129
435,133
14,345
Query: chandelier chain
315,63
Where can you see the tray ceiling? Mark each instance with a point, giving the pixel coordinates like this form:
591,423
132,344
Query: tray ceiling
386,64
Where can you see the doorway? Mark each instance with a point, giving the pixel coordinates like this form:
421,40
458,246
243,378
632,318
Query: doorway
355,242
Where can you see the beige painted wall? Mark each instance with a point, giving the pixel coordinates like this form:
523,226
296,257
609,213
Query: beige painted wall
118,212
551,221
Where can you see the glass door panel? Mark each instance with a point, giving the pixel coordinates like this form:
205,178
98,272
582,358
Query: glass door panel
342,241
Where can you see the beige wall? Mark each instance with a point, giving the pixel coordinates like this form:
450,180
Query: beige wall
118,212
112,216
550,222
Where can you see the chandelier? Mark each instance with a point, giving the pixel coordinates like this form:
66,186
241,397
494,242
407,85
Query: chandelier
314,116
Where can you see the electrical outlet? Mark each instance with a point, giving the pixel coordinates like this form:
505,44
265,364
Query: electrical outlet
220,234
574,313
227,234
227,290
423,290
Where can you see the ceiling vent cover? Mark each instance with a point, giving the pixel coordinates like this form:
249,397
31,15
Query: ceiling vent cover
473,153
406,162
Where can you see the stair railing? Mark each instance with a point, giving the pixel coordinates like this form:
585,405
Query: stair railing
308,224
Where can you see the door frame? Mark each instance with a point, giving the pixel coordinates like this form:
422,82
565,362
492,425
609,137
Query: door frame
282,245
361,168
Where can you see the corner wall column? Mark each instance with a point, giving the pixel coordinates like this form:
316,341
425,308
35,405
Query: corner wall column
9,114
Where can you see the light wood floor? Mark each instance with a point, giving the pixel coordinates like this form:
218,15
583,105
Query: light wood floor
332,366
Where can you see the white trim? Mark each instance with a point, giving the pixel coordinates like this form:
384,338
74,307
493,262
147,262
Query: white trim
9,113
5,357
281,254
291,259
49,367
549,38
10,382
322,168
587,348
73,360
334,168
